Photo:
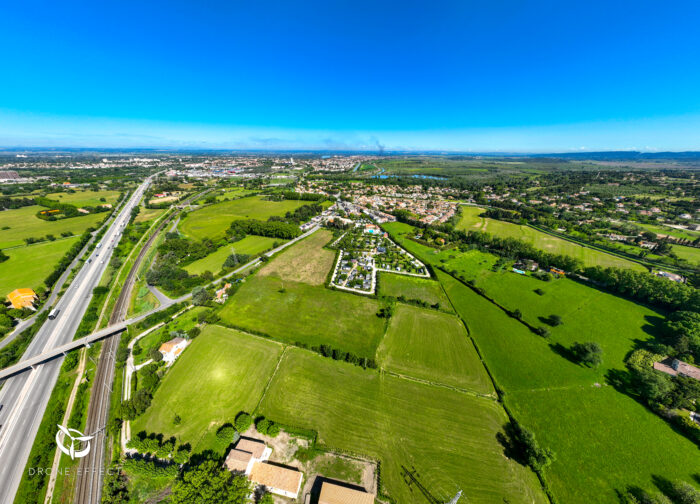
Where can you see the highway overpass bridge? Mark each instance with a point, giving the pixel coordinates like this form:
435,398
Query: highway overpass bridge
31,362
48,355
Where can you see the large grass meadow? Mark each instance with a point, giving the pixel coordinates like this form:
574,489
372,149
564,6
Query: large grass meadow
313,315
220,374
306,261
28,266
433,346
21,223
472,221
214,262
212,221
287,301
412,288
448,437
85,198
604,440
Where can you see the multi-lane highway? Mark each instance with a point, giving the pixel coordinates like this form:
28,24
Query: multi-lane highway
24,397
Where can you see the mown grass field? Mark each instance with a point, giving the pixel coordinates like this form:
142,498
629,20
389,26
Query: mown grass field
214,262
21,223
85,198
604,440
471,221
297,312
221,373
212,221
409,287
306,261
447,436
29,266
433,346
146,214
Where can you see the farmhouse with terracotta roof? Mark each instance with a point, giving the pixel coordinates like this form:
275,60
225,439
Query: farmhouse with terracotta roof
172,349
337,494
22,298
250,457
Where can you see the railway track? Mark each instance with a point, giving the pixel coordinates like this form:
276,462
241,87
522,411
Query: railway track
92,466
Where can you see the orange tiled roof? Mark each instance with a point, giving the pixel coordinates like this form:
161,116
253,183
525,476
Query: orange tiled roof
273,476
254,446
21,298
237,460
336,494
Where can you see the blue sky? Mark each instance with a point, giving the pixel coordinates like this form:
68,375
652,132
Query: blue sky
462,75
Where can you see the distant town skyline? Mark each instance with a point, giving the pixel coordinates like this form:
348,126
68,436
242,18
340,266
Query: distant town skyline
452,76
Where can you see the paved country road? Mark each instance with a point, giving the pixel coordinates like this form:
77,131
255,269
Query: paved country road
24,397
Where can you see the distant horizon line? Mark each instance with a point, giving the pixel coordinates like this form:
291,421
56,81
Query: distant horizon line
385,152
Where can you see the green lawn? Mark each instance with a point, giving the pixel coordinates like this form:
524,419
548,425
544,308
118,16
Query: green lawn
603,439
221,373
212,221
85,198
23,223
471,221
28,266
434,346
409,287
297,312
447,436
251,245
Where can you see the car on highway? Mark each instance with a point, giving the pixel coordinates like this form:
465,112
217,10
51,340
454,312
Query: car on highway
54,313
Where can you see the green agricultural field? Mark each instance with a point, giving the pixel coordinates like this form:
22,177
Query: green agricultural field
690,254
587,314
251,245
409,287
448,437
305,261
21,223
471,221
498,336
603,439
29,266
221,373
86,198
433,346
212,221
297,312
